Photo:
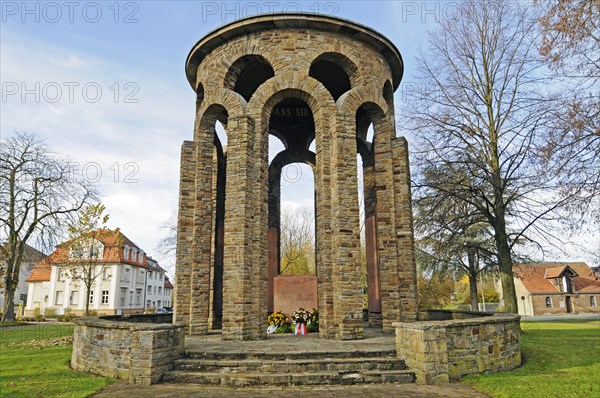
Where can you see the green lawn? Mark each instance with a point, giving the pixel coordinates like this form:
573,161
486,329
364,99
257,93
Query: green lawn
37,332
560,359
41,371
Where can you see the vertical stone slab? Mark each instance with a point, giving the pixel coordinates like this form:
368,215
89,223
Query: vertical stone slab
407,270
219,181
185,233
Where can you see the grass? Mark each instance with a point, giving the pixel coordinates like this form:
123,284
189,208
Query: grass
31,332
10,324
42,371
560,359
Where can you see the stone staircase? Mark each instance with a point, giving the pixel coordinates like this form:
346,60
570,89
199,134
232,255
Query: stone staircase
239,369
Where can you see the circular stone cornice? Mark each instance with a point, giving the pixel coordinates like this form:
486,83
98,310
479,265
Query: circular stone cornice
320,22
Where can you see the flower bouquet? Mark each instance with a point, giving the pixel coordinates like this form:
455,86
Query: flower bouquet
278,323
301,318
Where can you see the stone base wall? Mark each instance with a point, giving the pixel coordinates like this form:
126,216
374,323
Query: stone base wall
139,353
440,351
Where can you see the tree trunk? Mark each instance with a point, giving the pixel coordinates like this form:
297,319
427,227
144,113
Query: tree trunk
8,312
87,300
509,294
472,280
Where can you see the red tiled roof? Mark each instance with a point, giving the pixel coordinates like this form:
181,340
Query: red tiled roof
113,241
41,272
537,276
557,272
168,284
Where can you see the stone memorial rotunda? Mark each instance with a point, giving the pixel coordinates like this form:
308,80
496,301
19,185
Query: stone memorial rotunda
299,77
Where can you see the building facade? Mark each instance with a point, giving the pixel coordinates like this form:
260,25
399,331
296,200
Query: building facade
159,289
556,288
31,256
120,286
305,79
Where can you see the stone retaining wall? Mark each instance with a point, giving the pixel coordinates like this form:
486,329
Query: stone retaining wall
440,351
137,352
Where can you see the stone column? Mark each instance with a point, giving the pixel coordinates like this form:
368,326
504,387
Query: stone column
323,228
185,230
259,290
407,271
201,244
240,209
386,224
347,291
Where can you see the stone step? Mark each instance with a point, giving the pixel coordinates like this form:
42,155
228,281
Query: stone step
307,378
279,356
290,366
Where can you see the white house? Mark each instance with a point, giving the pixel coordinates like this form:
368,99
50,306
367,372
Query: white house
159,288
120,286
30,257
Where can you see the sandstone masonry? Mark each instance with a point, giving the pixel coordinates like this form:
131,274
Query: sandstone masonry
301,77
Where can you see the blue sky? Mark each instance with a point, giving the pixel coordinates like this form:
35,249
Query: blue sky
104,84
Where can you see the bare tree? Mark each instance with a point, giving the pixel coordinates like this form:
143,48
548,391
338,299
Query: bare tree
297,241
38,194
571,47
168,243
85,252
571,36
480,109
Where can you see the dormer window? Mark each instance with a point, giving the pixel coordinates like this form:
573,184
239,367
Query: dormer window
125,252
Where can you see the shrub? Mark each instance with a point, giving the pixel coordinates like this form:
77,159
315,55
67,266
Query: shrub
284,328
313,326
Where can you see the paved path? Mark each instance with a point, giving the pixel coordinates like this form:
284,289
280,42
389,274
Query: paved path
356,391
375,340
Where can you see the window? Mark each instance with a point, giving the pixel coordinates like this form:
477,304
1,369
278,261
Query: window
593,301
159,290
138,296
148,303
149,274
125,252
548,302
58,300
127,276
74,299
95,252
91,297
105,297
568,284
158,303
